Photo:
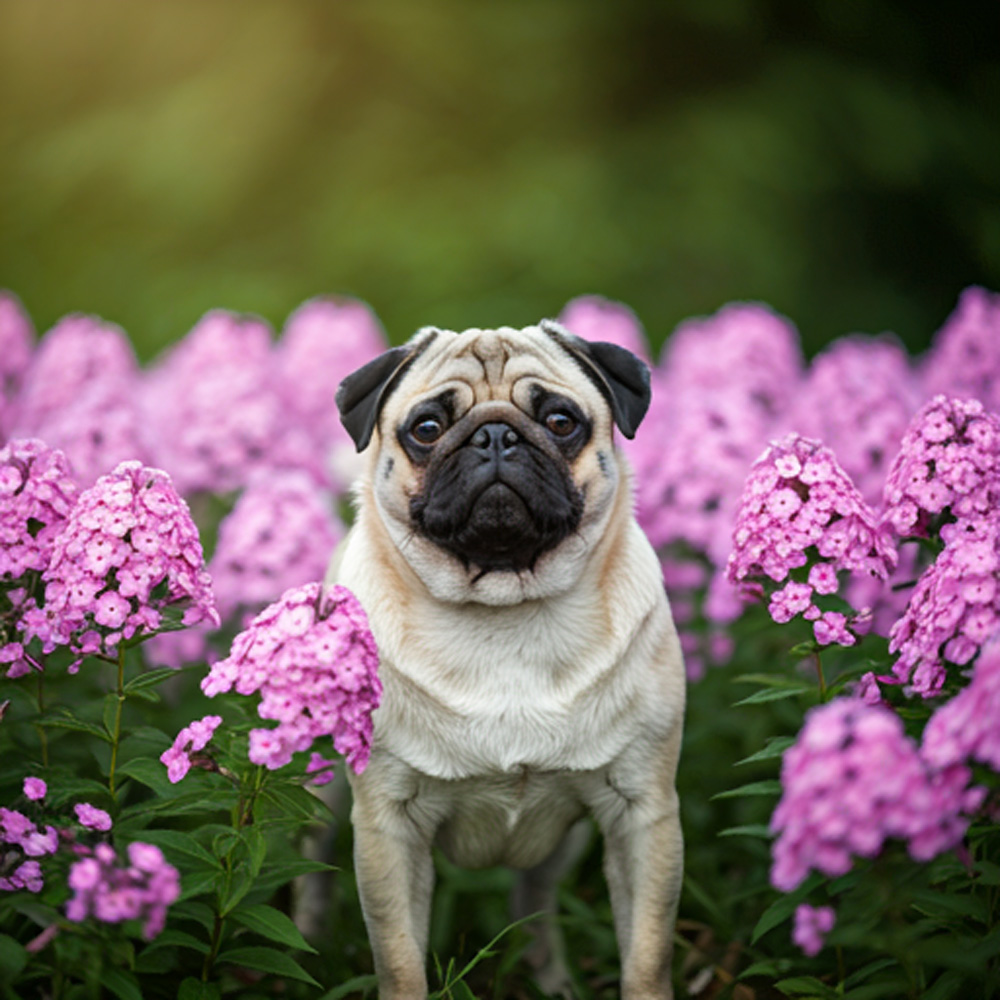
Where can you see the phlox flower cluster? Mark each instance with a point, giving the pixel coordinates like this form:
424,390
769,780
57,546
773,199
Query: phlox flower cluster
91,817
594,318
949,460
723,383
128,551
37,493
313,660
212,409
964,359
279,535
811,924
21,842
16,344
967,727
323,341
852,779
868,391
77,353
798,503
954,608
192,739
112,892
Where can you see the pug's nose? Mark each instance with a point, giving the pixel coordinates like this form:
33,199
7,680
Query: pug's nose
495,440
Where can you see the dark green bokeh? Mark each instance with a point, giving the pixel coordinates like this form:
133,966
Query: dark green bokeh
470,163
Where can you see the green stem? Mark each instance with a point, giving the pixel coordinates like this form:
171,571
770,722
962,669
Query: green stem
206,969
116,735
819,674
42,735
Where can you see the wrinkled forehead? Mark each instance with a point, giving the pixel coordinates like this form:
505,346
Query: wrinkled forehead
502,364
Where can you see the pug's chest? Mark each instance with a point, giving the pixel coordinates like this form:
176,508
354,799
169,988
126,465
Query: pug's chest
502,723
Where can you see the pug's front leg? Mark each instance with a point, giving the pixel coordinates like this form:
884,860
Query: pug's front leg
644,864
395,874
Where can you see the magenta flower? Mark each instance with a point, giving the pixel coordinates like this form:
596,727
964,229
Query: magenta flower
964,360
595,318
91,817
78,353
811,926
954,608
858,397
949,461
320,768
37,493
324,340
212,408
191,739
852,779
279,535
968,726
128,552
797,505
27,875
35,789
313,660
111,893
17,830
16,343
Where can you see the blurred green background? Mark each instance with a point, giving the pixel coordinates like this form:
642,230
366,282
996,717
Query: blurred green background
476,163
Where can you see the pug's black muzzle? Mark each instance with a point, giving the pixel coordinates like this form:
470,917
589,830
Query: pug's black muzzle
497,493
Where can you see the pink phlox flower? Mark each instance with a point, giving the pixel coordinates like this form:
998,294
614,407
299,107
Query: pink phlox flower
798,503
313,660
35,789
17,830
949,460
953,610
279,535
37,493
968,726
105,583
595,318
213,409
77,353
320,769
868,392
191,739
27,876
91,817
832,626
323,341
17,337
110,892
811,926
964,359
853,779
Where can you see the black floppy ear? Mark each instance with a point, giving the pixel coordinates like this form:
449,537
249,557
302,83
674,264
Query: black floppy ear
619,374
361,396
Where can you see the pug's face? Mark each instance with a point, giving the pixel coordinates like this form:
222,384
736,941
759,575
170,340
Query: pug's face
494,469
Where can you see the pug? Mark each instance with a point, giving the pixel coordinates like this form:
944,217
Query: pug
532,673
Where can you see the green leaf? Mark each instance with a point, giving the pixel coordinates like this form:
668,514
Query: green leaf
776,746
875,991
769,680
774,694
867,971
783,908
256,844
803,649
171,938
64,719
195,989
123,984
110,708
267,960
946,986
749,830
175,842
178,805
809,986
273,876
770,786
359,984
13,958
272,924
197,883
770,968
943,905
149,679
150,773
294,800
190,909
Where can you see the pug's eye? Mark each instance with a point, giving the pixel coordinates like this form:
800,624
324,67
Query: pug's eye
561,424
427,430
